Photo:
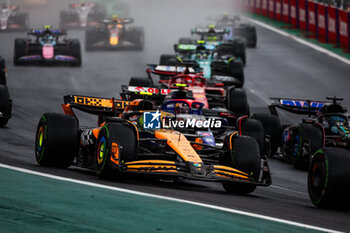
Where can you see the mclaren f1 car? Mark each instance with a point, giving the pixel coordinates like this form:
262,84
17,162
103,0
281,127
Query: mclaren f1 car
132,139
47,46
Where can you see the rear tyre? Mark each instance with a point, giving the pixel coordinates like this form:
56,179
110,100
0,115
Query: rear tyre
5,105
20,51
236,70
272,128
251,36
75,51
252,128
140,82
329,178
186,41
2,71
308,139
244,156
237,101
168,60
116,144
57,140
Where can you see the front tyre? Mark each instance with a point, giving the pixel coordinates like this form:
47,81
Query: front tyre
116,144
57,140
329,178
244,156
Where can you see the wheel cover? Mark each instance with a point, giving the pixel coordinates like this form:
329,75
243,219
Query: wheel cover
317,180
101,150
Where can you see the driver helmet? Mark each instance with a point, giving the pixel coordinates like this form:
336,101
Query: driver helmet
115,18
181,108
225,16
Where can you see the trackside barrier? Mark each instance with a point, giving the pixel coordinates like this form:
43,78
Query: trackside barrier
271,8
312,15
303,15
322,22
264,7
279,9
286,11
294,13
344,29
333,25
326,23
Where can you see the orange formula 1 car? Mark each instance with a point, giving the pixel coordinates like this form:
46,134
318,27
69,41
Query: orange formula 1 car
131,139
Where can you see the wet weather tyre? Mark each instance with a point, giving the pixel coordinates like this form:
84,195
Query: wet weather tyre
308,134
244,156
57,140
140,82
5,105
253,128
168,60
236,70
116,144
329,178
2,71
75,51
20,51
185,40
237,101
251,37
272,127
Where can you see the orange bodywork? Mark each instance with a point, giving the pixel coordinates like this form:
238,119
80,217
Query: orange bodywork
151,165
179,144
115,153
67,110
114,40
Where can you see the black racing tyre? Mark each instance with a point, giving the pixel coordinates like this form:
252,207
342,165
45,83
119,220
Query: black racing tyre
236,70
252,128
244,156
329,178
239,51
168,60
251,36
116,143
57,140
5,104
272,127
2,71
90,38
307,134
140,82
139,38
75,51
186,40
20,50
237,101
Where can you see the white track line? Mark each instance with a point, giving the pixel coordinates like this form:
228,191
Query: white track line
301,41
234,211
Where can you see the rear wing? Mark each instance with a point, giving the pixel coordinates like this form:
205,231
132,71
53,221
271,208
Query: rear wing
78,5
154,94
121,21
208,31
297,106
170,70
39,32
94,105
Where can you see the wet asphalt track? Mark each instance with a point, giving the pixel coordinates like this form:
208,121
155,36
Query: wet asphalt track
278,67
